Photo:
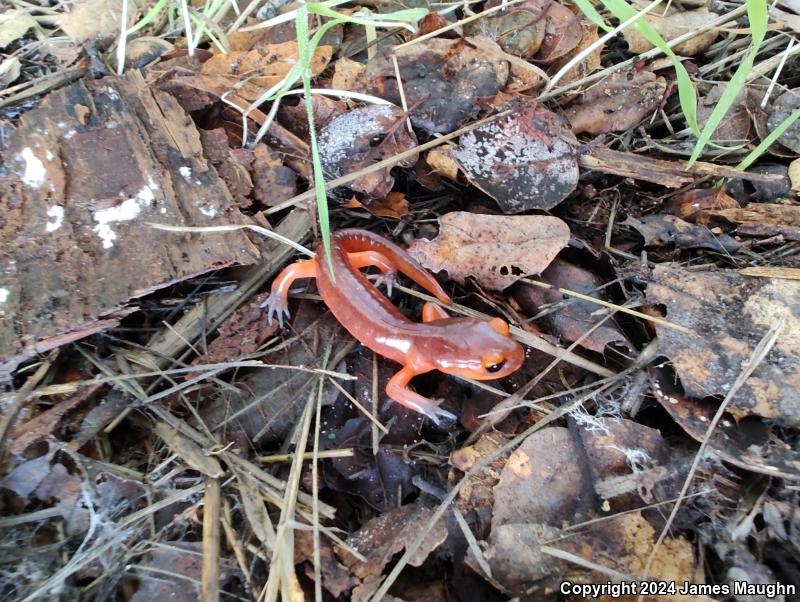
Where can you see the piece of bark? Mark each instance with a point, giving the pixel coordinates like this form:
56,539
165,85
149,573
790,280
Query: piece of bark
672,174
87,172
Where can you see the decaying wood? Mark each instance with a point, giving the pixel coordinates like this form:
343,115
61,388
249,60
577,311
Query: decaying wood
672,174
87,171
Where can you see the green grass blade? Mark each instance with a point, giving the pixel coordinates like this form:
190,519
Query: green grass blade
757,14
590,12
148,18
768,141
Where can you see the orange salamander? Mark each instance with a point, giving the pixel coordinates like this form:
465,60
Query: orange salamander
467,347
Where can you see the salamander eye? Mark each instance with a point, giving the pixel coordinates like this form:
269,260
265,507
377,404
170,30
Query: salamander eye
495,367
493,362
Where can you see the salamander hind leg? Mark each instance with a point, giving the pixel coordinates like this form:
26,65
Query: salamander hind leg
397,388
278,302
364,259
431,312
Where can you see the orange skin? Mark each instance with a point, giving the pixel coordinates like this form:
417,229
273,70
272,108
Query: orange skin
467,347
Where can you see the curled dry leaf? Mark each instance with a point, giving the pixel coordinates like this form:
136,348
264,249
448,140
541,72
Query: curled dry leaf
676,24
394,205
572,319
496,250
260,68
93,20
589,64
618,103
443,79
519,30
14,24
364,136
563,33
523,161
380,538
736,124
786,104
727,315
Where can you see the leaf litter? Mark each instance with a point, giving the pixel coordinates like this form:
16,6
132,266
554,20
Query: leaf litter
153,424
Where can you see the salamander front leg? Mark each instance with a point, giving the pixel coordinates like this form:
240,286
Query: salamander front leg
397,388
278,302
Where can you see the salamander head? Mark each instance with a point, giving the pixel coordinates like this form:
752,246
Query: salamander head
480,349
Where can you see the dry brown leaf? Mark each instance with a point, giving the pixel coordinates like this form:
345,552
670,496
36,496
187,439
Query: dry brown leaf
262,67
361,137
10,70
496,250
794,174
589,64
349,75
672,26
563,32
93,19
444,80
523,161
617,104
393,205
442,162
519,30
727,315
783,107
14,24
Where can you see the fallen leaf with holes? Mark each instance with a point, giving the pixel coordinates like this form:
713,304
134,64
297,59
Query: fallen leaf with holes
443,80
563,33
675,24
380,538
588,64
736,125
569,318
786,104
519,30
660,230
496,250
393,205
763,219
727,315
618,103
362,137
260,68
523,161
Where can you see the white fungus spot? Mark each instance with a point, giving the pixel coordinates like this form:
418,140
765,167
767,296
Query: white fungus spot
56,215
112,93
126,211
35,172
186,172
4,294
337,138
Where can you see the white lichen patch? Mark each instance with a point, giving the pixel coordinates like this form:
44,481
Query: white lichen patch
34,174
208,211
126,211
112,93
520,162
4,295
337,137
56,215
186,172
